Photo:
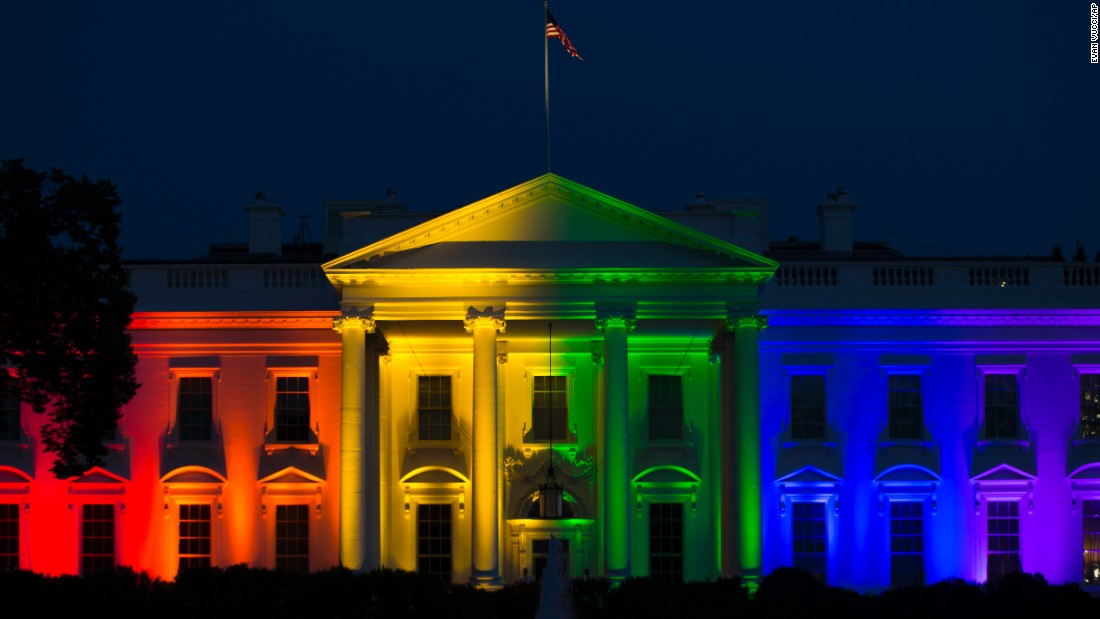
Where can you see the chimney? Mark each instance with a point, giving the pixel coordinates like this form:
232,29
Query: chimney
836,223
265,227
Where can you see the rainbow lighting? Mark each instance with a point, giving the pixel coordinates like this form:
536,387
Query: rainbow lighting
389,400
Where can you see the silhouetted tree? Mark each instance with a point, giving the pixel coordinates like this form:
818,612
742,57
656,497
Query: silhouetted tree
1079,255
1056,254
65,307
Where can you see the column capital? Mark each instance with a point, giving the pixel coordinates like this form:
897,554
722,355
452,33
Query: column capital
351,316
738,321
616,314
489,316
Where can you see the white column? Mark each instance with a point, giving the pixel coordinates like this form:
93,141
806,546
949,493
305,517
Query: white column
353,326
485,480
615,324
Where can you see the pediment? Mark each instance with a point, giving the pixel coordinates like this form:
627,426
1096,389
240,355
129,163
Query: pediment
1089,471
906,474
434,475
666,475
434,465
292,466
12,475
1004,473
97,475
550,218
291,475
193,475
809,475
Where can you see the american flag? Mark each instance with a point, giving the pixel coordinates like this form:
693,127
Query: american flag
555,31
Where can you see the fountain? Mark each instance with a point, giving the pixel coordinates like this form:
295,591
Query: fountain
555,595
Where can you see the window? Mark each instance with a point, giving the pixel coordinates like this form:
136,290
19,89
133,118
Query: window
97,543
9,409
666,408
904,406
906,543
9,536
807,407
549,409
292,408
194,538
1002,406
292,538
433,540
666,542
1090,525
434,408
1090,405
809,537
540,555
195,408
1003,553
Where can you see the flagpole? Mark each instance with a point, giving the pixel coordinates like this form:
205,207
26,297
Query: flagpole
546,76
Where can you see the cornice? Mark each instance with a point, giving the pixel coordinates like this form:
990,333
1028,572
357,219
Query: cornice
472,277
233,320
916,318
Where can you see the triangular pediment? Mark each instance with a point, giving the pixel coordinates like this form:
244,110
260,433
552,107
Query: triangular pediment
809,475
291,475
1004,473
551,222
97,475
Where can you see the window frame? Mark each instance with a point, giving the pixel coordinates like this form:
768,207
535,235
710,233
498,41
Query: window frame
454,516
1019,372
177,375
273,495
798,436
309,374
919,433
1080,371
82,519
568,375
681,434
15,434
683,523
923,504
414,406
21,533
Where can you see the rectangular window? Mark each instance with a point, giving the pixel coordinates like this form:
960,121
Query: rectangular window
9,410
433,541
809,538
1003,554
540,555
292,538
906,544
1002,406
292,408
904,406
666,408
97,541
1090,525
549,409
194,539
195,408
434,408
1090,405
9,536
666,542
807,406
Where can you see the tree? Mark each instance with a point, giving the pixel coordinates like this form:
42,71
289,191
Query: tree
65,306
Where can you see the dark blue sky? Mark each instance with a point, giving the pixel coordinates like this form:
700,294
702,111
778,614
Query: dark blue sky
970,125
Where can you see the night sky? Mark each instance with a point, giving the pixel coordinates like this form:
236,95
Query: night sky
972,126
